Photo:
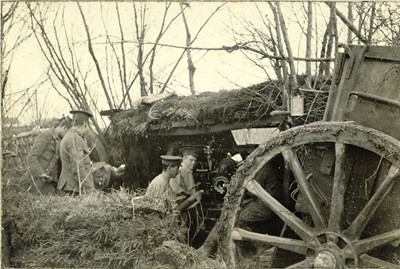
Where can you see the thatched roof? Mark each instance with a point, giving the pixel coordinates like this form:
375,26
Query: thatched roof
199,111
216,111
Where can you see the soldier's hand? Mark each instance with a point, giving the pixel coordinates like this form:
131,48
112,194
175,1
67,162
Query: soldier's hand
197,195
46,178
120,170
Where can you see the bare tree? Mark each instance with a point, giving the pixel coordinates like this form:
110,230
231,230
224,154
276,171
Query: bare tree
191,66
140,32
293,74
309,41
186,48
351,19
66,71
12,23
93,55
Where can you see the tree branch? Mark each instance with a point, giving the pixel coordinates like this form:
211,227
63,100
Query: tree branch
94,58
348,23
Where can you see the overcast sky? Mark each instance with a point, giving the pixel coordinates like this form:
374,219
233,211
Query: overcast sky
215,70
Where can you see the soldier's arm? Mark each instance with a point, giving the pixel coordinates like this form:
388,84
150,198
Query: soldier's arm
175,187
38,149
190,201
188,179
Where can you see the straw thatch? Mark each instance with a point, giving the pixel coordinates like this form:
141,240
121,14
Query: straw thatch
246,104
249,104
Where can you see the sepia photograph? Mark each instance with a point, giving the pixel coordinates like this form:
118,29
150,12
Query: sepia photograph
200,134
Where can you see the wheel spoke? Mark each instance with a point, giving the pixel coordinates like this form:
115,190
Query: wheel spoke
302,264
373,262
293,245
339,188
357,226
291,157
297,225
365,245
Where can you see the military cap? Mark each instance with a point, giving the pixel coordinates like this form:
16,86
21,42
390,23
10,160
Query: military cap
189,151
98,165
80,114
171,160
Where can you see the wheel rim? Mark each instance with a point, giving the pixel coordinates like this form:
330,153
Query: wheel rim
326,240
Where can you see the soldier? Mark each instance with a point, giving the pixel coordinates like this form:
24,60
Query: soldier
183,183
76,176
41,176
104,174
159,187
160,184
184,186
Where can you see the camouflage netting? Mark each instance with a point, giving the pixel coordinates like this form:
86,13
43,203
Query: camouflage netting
212,108
97,230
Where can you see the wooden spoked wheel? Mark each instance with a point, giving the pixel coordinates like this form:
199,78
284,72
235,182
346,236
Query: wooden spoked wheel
348,192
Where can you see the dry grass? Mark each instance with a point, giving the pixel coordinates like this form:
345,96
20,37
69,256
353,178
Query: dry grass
97,230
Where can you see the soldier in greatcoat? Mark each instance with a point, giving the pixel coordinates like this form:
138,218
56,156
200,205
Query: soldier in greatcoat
41,176
76,172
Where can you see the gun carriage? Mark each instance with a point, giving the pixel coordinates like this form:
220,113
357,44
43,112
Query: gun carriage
341,181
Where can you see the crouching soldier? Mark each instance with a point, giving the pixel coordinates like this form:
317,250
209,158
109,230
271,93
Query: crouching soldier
159,188
104,174
41,176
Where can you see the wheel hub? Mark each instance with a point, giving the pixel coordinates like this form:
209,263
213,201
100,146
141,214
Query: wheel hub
327,250
325,259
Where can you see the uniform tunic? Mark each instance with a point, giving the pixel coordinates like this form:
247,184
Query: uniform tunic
160,190
158,187
183,183
76,163
42,159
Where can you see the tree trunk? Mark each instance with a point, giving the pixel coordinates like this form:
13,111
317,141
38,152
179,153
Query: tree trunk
140,38
360,19
351,19
293,76
330,42
124,80
323,53
191,66
309,40
371,23
280,47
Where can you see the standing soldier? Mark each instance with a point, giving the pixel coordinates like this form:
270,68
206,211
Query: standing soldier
76,176
41,176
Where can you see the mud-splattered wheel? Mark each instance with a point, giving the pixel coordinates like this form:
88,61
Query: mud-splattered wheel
345,209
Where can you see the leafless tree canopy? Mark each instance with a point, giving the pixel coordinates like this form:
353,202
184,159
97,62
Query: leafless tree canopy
122,58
